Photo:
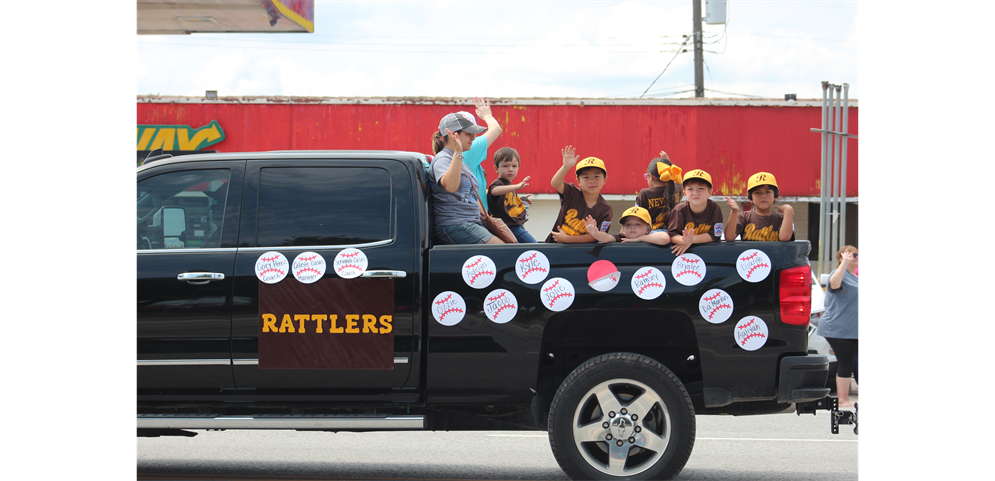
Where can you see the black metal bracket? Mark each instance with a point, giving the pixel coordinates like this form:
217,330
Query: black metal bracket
836,415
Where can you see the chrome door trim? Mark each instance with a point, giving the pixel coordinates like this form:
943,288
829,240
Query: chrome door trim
255,362
184,362
385,274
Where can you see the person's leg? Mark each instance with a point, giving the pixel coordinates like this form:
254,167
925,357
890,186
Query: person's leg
522,234
441,235
846,352
471,233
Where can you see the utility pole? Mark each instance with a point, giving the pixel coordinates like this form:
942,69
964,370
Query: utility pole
699,74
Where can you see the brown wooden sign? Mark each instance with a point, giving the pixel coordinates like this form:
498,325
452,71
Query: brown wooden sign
330,324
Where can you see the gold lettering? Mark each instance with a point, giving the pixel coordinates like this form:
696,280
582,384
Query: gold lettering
269,323
351,324
576,226
318,318
385,321
301,318
333,329
369,323
700,229
514,204
750,232
286,325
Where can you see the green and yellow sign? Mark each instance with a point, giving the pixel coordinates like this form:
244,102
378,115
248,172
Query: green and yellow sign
179,137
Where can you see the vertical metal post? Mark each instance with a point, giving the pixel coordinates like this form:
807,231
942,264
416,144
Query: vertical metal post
834,138
845,132
699,72
823,190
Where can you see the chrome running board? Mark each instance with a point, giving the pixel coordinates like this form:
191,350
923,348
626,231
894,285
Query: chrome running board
342,422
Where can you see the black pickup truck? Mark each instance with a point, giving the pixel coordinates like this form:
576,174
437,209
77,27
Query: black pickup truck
300,290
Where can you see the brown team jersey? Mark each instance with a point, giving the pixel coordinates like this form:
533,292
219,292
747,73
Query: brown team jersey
507,207
659,201
704,223
574,209
751,226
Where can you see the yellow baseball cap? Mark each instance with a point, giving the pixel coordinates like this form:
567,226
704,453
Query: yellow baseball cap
761,178
698,174
636,211
591,162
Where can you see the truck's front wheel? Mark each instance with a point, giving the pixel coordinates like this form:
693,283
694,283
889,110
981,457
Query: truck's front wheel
621,415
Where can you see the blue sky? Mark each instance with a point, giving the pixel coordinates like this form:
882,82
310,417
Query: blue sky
517,49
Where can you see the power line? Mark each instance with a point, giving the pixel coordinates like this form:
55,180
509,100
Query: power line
665,68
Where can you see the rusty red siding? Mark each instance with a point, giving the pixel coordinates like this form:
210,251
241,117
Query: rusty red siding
730,142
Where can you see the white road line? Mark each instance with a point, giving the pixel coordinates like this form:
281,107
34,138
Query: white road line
781,440
517,435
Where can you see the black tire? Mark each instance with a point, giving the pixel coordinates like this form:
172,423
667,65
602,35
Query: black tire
637,393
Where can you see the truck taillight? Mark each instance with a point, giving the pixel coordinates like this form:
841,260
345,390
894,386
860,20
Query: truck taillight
796,295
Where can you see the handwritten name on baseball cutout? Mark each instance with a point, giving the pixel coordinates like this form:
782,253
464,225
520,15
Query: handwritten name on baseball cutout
688,269
751,333
308,267
557,294
715,306
500,306
532,267
753,265
648,283
479,272
448,308
350,263
272,267
603,276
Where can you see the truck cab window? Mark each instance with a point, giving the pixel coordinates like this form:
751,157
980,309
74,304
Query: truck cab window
319,206
182,210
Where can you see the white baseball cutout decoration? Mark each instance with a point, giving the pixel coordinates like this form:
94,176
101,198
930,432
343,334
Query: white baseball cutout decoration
603,276
688,269
557,294
753,265
532,267
751,333
500,306
479,272
715,306
350,263
308,267
448,308
272,267
648,283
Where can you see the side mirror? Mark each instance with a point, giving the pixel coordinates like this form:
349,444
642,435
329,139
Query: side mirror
824,280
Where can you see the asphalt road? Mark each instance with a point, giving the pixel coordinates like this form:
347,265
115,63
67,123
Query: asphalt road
773,447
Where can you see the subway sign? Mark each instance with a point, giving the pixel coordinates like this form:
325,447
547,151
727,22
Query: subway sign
179,137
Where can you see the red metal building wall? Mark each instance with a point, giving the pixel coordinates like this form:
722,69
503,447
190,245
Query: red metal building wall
729,142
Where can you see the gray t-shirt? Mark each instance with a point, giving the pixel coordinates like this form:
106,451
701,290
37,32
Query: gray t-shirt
458,207
840,318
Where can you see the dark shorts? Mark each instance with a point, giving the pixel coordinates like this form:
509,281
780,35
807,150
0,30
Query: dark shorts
846,354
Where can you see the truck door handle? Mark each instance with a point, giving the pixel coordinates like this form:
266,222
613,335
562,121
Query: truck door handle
388,274
200,278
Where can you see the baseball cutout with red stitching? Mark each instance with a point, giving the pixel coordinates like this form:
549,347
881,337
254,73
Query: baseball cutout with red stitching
688,269
350,263
308,267
753,265
751,333
557,294
479,272
532,267
648,283
715,306
603,276
500,306
272,267
448,308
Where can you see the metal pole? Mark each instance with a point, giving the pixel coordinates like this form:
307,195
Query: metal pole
823,197
699,74
846,132
834,137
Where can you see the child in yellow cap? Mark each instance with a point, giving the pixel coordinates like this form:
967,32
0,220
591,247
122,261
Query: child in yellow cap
693,221
636,227
663,191
577,202
765,222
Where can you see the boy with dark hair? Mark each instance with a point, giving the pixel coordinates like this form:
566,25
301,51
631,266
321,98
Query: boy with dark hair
502,201
693,221
636,227
581,200
763,223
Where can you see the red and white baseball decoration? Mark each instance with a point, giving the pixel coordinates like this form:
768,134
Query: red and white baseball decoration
448,308
308,267
753,265
648,283
688,269
557,294
715,306
272,267
350,263
751,333
603,276
532,267
479,272
500,306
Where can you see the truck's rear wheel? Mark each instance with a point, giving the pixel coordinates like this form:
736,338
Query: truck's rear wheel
621,416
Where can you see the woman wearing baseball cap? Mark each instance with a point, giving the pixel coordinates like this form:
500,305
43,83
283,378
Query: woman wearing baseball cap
455,208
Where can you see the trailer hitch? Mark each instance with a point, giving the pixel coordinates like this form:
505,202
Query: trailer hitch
836,415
